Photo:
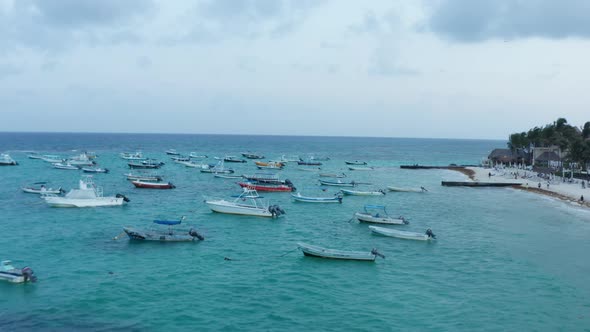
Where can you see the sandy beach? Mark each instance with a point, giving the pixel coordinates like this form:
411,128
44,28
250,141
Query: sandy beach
555,187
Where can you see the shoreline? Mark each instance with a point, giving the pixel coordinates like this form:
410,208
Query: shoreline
564,191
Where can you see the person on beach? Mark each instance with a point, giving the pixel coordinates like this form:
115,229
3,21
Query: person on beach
582,199
539,185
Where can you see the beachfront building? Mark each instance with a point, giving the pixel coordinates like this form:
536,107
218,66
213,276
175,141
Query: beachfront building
507,157
547,157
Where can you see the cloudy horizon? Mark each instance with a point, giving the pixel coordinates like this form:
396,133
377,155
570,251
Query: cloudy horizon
438,69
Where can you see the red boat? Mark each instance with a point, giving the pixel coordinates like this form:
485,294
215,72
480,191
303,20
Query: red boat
267,187
153,185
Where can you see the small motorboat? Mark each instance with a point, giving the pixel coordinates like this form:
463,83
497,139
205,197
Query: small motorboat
217,169
95,170
308,199
250,155
309,163
379,192
197,156
153,185
145,164
132,155
287,187
233,159
34,155
224,176
172,152
247,203
332,175
52,159
87,195
316,251
143,177
355,168
43,190
377,214
338,183
407,190
66,166
168,235
180,158
428,235
189,163
6,160
16,275
355,162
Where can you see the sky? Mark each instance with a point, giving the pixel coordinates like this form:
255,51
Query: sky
443,69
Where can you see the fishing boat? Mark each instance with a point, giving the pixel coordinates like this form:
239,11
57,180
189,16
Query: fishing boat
332,175
197,156
172,152
34,155
95,170
289,159
180,158
6,160
168,235
337,183
43,190
428,235
377,214
225,176
309,199
309,163
52,158
81,160
218,169
316,251
355,162
132,155
152,185
247,203
87,195
16,275
379,192
251,155
66,166
264,178
189,163
143,177
146,164
268,187
408,190
355,168
233,159
270,165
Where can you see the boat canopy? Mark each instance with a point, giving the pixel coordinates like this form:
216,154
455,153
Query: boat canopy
375,207
168,222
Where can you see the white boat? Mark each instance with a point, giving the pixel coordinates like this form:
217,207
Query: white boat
247,203
217,169
81,160
287,159
332,175
95,170
34,155
428,235
88,195
189,164
358,168
161,235
42,190
308,199
6,160
16,275
172,152
196,155
377,214
408,190
355,162
338,183
132,155
316,251
143,177
66,166
379,192
52,158
225,176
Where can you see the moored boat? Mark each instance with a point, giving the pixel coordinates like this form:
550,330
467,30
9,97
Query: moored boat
309,199
428,235
268,186
16,275
332,175
43,190
145,164
168,235
247,203
355,162
316,251
309,163
196,155
172,152
409,190
251,155
66,166
132,155
95,170
233,159
143,177
359,168
337,183
87,195
377,214
379,192
152,185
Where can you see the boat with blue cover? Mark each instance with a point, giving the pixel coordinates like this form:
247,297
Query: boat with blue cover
167,235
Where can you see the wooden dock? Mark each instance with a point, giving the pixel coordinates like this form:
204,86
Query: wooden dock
479,184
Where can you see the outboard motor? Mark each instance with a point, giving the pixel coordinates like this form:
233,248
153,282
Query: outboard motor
196,234
172,186
289,183
275,210
423,189
404,220
376,253
382,191
29,274
430,234
125,199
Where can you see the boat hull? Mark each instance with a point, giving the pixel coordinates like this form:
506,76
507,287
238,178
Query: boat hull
400,234
141,235
153,185
363,217
226,207
336,184
269,188
315,251
42,192
306,199
362,193
80,203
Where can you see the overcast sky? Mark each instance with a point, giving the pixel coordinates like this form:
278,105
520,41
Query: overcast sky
449,69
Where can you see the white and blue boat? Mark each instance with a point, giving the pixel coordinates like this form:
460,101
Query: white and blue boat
16,275
309,199
168,235
320,252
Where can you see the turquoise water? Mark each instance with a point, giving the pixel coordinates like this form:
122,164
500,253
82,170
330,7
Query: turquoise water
504,259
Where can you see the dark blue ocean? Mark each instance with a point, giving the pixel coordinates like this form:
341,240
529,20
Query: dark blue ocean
503,260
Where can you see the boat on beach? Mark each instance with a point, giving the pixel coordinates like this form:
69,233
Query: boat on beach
87,195
349,192
152,185
309,199
6,160
15,275
427,236
317,251
408,190
168,235
377,214
247,203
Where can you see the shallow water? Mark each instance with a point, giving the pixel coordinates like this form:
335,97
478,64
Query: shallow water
504,259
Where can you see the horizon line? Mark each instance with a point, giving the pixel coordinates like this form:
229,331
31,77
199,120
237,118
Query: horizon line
279,135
